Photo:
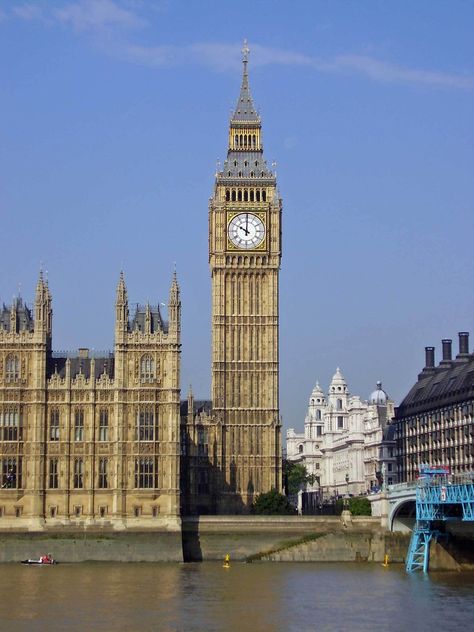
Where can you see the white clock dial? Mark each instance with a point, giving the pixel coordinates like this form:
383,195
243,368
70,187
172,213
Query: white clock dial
246,230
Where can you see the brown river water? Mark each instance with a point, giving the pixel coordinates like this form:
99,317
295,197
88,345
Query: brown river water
257,597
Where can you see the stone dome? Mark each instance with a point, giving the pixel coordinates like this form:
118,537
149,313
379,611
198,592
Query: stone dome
317,395
317,391
338,383
379,396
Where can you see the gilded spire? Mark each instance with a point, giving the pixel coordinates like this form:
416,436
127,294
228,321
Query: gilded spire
245,111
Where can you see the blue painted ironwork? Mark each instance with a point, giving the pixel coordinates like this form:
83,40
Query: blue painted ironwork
439,497
419,549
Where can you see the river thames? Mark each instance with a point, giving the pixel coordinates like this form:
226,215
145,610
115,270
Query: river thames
258,597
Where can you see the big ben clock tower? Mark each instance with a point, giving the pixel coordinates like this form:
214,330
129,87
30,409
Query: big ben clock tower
244,256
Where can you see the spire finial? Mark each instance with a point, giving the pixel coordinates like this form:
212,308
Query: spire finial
245,52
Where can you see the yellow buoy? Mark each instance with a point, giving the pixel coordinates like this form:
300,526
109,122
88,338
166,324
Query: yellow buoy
226,561
385,560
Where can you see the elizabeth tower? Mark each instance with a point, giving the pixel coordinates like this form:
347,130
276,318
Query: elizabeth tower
244,257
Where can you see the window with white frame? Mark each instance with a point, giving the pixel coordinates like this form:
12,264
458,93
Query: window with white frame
11,427
54,425
12,368
147,368
104,425
79,425
146,473
145,425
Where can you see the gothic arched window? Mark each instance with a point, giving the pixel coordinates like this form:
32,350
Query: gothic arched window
12,368
147,368
300,448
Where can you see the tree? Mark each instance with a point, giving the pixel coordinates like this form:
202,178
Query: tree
272,504
295,476
357,505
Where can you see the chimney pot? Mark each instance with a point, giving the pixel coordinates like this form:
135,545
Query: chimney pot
429,357
447,349
463,343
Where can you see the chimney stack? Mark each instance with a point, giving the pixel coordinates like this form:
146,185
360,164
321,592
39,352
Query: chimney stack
429,357
429,363
447,351
463,343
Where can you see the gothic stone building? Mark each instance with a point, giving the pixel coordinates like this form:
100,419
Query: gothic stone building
85,439
98,439
435,421
233,446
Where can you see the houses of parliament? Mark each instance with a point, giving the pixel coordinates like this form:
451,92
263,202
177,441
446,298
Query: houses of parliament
106,440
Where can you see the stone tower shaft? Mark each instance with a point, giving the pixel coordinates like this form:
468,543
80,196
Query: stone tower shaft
244,257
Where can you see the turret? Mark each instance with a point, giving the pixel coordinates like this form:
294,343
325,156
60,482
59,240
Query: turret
13,317
43,311
174,308
121,306
147,319
190,403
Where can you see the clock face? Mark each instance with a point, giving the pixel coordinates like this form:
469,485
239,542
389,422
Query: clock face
246,230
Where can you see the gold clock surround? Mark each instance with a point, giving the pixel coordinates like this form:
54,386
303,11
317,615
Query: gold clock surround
262,215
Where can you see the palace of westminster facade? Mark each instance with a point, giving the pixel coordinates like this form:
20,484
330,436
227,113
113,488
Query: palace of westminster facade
88,440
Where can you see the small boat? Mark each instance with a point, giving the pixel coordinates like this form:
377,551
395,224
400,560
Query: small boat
45,560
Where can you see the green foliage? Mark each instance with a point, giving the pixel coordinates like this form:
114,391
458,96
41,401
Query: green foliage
272,504
358,506
296,476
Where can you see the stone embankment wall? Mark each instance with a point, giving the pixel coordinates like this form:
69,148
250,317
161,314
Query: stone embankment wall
93,546
244,538
296,538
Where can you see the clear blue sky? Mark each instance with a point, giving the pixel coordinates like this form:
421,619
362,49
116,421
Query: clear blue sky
114,112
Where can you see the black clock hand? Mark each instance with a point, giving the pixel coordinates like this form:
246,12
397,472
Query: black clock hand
244,229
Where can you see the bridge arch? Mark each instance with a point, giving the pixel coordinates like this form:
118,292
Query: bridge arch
402,515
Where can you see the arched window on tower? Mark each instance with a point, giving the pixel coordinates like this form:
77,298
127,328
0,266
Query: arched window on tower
339,404
227,195
12,368
147,368
264,196
318,415
233,195
300,448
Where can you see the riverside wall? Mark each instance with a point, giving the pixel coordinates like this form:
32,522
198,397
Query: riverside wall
281,538
92,545
245,538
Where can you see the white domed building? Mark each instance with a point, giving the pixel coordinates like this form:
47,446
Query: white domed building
347,443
